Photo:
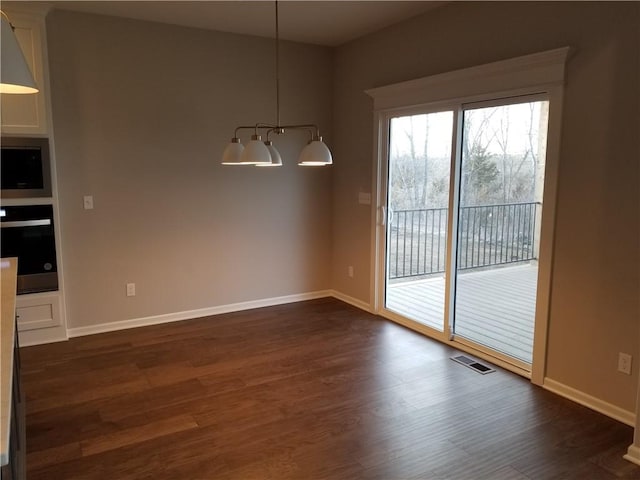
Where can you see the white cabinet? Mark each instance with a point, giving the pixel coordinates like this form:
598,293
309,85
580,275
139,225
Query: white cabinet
40,318
38,310
27,114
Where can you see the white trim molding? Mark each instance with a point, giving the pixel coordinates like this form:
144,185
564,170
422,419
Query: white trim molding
51,335
192,314
633,454
538,70
600,406
352,301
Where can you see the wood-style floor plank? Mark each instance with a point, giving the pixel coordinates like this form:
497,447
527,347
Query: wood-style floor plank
314,390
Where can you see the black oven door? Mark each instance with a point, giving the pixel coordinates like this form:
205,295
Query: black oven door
27,233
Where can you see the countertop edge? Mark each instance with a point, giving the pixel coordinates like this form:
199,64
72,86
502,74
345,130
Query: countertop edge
8,269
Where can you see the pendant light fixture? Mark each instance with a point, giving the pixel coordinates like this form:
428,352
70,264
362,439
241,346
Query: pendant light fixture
15,76
263,153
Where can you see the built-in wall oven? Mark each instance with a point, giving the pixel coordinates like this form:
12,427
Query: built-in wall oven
27,229
27,232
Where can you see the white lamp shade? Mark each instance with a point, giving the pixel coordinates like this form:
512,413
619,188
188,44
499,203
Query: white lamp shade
316,153
15,76
255,153
276,159
231,154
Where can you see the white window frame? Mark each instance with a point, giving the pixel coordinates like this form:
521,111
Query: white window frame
539,73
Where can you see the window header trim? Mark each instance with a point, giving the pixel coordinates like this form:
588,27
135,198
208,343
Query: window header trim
537,73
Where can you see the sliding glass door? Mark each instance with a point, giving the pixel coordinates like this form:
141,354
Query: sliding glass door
417,216
462,221
498,225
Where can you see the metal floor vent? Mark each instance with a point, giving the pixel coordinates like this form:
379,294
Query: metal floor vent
473,364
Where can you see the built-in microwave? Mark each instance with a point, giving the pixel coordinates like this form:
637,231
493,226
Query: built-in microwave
25,167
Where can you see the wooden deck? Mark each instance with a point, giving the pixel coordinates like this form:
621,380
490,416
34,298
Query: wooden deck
495,308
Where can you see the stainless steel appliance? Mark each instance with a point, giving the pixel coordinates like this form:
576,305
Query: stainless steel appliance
25,170
26,232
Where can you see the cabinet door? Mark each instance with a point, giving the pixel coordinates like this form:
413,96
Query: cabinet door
38,310
27,113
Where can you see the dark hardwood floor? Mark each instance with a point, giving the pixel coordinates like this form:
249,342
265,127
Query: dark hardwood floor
312,390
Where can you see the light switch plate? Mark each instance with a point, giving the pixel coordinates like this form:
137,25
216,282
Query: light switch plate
364,198
624,363
88,202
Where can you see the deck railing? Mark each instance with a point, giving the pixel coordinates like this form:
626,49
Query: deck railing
487,235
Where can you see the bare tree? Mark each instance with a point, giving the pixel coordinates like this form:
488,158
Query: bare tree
479,171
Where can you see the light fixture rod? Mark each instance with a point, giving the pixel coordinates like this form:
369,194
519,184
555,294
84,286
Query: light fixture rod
277,67
278,128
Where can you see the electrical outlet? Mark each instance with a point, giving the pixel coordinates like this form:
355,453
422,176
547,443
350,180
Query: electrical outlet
131,289
350,271
624,363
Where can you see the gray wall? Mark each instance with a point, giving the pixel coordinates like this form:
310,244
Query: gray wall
142,113
594,303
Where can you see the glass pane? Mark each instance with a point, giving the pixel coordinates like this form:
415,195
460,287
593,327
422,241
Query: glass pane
418,198
501,185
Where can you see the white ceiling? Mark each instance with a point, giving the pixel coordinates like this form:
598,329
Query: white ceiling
329,23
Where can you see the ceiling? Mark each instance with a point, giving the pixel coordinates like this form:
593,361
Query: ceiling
328,23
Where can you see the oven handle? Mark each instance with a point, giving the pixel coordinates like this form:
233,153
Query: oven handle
27,223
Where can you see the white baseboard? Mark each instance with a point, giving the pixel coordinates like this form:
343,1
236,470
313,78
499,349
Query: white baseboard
351,301
633,454
606,408
191,314
205,312
28,338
